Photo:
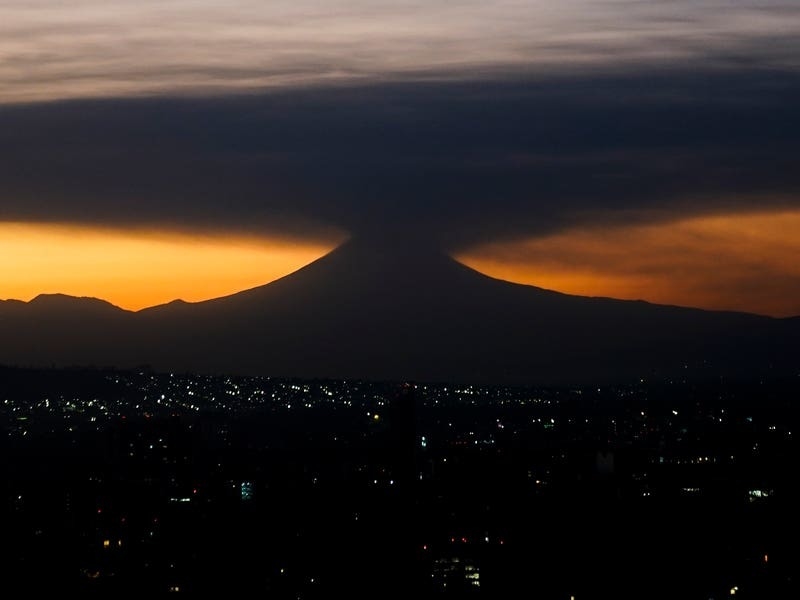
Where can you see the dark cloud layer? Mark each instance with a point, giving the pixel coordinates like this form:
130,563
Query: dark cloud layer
456,162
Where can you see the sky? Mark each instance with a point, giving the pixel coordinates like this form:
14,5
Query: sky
644,150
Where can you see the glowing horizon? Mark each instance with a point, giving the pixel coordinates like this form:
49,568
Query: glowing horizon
136,269
740,262
721,262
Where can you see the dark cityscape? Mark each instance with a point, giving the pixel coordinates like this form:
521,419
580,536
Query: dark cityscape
377,299
149,483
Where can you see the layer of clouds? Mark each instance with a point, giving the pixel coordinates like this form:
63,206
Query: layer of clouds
53,50
458,162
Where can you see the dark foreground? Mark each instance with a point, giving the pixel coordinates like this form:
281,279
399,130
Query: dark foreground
133,482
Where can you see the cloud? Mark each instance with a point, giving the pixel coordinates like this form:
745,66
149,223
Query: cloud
457,162
468,124
110,48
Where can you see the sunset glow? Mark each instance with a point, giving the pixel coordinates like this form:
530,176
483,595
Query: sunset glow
745,262
135,269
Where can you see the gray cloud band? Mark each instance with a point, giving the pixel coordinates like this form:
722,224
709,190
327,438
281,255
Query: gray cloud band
454,162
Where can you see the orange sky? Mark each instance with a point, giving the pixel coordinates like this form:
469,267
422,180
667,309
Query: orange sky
138,269
739,262
748,262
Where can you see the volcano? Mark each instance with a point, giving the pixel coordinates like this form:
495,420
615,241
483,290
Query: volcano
396,310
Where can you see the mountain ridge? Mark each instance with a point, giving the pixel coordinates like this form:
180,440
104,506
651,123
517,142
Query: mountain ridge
395,311
57,298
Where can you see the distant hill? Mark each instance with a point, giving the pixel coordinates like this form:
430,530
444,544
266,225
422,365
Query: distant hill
394,311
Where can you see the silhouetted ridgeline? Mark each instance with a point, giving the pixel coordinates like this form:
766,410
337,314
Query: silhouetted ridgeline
366,311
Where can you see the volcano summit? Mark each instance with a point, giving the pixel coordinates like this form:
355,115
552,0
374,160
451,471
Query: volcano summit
371,310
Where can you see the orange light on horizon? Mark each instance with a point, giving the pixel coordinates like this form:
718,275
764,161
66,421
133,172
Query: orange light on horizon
136,269
744,262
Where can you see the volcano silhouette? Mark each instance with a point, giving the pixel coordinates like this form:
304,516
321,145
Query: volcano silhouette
401,311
